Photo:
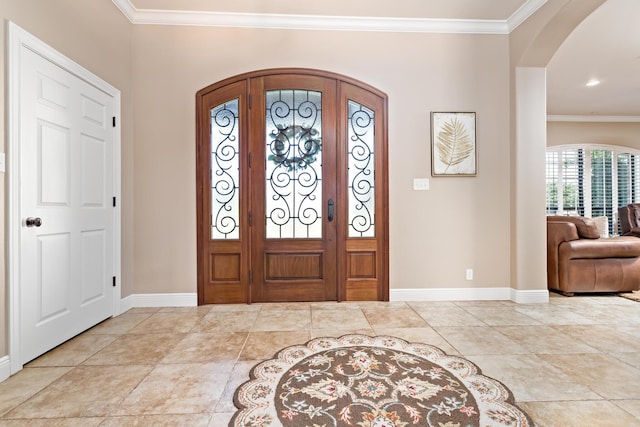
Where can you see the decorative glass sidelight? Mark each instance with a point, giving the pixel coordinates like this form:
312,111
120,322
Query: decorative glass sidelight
293,164
361,171
225,172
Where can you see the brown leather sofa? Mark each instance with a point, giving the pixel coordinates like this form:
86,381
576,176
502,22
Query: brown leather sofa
578,260
629,217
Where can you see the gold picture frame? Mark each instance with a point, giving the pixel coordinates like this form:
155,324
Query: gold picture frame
453,144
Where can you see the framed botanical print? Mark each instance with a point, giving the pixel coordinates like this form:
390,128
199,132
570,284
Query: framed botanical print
453,144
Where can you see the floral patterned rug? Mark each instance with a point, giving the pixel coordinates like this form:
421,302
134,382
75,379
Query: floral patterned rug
363,381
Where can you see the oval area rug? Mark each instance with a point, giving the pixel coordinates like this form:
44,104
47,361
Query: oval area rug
363,381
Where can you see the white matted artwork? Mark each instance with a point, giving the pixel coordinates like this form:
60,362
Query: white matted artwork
453,144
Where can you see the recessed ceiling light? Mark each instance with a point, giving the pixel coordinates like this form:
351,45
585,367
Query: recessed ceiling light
593,82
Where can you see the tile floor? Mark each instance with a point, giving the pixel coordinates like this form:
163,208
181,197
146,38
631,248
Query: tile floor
572,362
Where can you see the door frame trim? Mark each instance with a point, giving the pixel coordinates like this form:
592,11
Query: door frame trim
18,39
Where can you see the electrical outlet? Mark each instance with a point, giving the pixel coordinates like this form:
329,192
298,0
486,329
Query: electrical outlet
469,273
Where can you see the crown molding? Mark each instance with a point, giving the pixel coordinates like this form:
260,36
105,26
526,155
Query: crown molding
522,14
319,22
127,8
593,119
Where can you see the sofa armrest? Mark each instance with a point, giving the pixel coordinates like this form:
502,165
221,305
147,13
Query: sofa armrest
587,228
635,231
560,231
557,232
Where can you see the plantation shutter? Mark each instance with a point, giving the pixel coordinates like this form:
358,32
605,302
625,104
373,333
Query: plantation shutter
612,180
552,182
625,178
634,178
602,183
572,182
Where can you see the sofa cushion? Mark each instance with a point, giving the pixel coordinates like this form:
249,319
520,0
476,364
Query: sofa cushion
587,228
615,247
602,222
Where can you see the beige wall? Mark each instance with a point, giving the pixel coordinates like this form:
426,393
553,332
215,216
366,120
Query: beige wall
532,45
620,134
97,36
434,235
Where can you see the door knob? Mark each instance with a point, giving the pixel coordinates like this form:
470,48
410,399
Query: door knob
33,222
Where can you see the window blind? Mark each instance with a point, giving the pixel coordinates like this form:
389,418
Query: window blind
625,195
552,182
602,183
591,181
572,182
634,178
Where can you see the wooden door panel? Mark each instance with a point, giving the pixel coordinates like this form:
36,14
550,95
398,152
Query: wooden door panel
224,279
364,270
363,261
293,266
293,290
303,268
225,275
225,267
223,261
362,265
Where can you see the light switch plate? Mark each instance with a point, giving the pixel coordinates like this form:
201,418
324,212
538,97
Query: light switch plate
2,166
420,184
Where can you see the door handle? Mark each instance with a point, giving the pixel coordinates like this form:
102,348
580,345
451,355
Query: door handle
33,222
330,213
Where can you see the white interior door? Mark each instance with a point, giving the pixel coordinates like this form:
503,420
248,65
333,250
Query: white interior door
66,143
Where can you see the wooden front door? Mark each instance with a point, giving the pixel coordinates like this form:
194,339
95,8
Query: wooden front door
293,142
292,189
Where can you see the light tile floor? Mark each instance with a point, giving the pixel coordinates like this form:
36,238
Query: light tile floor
571,362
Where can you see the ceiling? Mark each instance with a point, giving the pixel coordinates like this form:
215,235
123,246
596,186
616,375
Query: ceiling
605,46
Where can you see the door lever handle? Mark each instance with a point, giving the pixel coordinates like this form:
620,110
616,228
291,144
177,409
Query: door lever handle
330,211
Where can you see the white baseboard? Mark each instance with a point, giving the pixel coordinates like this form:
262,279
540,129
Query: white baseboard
159,300
530,297
5,368
126,304
469,294
432,294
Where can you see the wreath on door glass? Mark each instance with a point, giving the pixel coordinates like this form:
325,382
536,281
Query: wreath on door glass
294,147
